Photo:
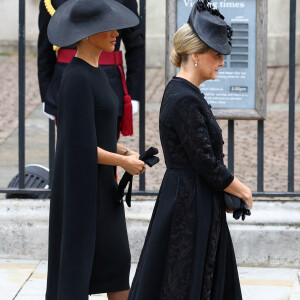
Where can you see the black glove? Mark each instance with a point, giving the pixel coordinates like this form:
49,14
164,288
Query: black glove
237,205
149,158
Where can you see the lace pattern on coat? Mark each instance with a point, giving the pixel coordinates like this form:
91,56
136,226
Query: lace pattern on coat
212,248
202,141
179,262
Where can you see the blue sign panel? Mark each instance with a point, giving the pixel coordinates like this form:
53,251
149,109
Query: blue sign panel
235,85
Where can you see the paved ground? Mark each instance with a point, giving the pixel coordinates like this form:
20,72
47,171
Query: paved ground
26,280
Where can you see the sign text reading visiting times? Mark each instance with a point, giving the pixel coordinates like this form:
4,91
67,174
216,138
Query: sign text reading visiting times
235,84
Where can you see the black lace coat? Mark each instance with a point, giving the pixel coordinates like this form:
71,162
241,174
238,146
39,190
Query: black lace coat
188,253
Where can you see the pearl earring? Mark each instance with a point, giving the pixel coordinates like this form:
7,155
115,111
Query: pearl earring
196,64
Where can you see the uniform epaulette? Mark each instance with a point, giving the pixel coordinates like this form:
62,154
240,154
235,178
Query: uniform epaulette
51,10
49,7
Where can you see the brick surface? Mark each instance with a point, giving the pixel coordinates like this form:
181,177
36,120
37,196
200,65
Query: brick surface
297,92
9,92
274,83
275,137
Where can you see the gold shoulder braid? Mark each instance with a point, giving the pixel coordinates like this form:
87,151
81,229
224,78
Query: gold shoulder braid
49,7
51,10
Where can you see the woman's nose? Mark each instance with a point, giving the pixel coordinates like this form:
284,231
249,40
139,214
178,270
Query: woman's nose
221,62
116,33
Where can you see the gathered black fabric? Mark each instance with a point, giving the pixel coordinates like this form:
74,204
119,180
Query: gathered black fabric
237,205
147,157
188,253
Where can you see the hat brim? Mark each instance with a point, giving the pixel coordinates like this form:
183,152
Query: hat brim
63,32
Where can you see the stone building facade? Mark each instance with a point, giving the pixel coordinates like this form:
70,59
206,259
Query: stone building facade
278,30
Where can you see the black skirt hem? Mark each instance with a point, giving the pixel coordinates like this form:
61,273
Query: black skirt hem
113,286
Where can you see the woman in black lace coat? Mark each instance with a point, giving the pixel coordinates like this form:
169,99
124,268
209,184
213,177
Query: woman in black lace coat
188,252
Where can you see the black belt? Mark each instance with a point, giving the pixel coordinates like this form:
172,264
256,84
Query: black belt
148,158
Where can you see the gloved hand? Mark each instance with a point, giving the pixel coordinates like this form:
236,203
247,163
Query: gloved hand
242,212
237,205
135,106
150,158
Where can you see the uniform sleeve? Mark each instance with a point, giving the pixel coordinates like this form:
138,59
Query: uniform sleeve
46,55
134,42
192,131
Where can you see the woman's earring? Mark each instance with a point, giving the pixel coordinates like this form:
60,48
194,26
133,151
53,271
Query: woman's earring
196,64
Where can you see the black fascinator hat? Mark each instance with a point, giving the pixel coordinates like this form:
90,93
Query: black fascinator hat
209,25
78,19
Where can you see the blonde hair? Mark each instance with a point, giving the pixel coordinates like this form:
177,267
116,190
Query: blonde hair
185,42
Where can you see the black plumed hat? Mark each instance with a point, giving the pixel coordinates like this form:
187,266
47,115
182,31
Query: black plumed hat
209,25
78,19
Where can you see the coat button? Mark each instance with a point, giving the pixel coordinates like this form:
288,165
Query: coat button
223,155
223,142
209,105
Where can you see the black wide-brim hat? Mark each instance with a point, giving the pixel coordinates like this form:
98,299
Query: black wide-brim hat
75,20
210,27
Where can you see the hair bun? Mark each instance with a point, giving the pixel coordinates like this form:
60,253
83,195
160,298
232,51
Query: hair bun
175,58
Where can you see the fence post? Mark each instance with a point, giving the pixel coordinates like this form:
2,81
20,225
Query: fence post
231,145
21,94
171,12
260,155
51,150
292,55
142,113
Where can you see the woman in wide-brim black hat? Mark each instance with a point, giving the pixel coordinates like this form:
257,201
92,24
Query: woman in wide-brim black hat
188,252
88,243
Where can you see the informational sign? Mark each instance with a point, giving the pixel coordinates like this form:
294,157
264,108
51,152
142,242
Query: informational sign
235,84
238,91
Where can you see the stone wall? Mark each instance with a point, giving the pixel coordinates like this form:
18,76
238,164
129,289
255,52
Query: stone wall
278,30
269,237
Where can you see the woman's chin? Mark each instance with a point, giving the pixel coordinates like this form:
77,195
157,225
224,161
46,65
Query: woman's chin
109,49
214,77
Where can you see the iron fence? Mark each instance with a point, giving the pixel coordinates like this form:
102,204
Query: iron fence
142,190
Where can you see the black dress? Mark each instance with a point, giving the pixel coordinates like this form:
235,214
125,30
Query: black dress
188,252
88,243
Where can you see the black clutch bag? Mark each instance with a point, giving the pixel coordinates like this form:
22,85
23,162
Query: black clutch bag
237,205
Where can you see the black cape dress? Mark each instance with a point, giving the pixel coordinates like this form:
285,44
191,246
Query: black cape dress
188,252
88,242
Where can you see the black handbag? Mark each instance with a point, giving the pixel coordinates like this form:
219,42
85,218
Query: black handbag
237,205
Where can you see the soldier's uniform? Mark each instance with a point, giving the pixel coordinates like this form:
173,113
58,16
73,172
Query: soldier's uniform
51,65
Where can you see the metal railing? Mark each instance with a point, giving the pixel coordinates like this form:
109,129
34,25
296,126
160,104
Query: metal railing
142,190
260,126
